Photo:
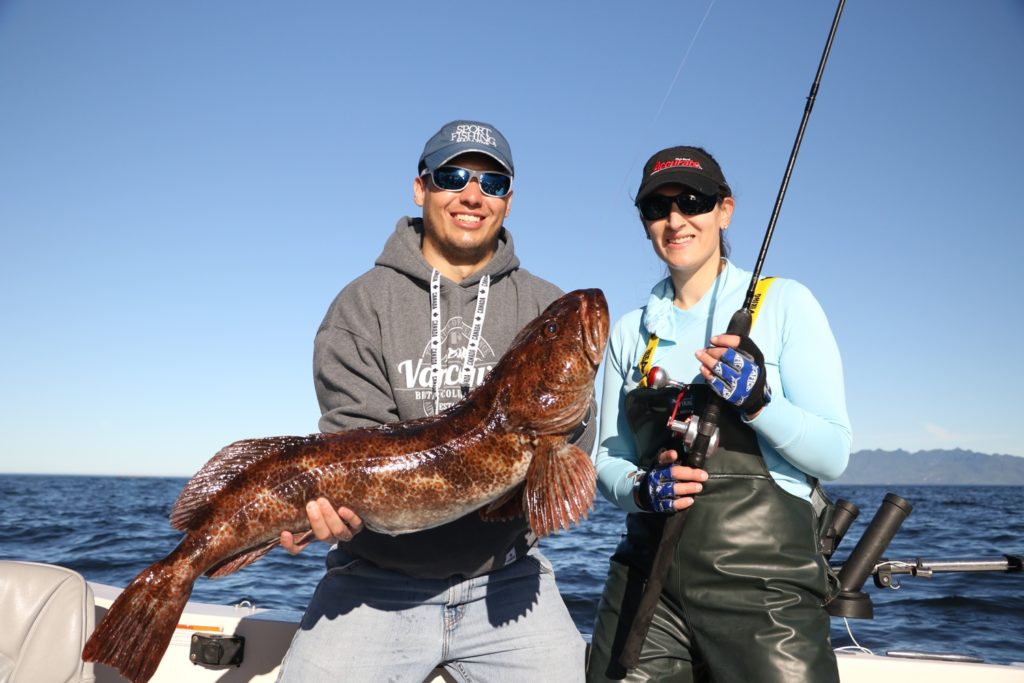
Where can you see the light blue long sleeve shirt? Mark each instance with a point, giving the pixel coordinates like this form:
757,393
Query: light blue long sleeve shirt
804,430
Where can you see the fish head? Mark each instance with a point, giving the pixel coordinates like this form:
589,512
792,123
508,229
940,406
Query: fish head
547,375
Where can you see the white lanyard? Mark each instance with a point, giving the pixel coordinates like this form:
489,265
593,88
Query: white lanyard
466,376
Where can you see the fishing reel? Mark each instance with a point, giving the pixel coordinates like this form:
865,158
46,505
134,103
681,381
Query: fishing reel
688,427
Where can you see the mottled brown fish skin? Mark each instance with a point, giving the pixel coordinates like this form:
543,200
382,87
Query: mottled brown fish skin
509,435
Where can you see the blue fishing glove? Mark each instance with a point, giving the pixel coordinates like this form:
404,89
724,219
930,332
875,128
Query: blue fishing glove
739,377
655,491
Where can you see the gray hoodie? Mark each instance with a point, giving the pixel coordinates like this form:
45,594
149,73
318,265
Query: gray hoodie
372,364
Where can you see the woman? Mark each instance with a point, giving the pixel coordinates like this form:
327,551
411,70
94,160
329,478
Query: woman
744,594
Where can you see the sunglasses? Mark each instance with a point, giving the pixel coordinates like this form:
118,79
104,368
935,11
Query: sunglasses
690,202
455,179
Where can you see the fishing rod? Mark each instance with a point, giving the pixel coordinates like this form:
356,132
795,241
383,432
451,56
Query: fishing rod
707,429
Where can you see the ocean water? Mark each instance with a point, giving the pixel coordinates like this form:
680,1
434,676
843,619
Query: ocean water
109,528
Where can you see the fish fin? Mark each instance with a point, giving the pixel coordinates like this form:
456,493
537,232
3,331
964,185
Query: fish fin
135,632
224,467
303,538
505,508
560,486
242,559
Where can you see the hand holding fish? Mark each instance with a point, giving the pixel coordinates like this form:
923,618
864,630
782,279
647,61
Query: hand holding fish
327,524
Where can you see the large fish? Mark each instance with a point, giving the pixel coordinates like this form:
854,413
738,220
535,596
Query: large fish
503,450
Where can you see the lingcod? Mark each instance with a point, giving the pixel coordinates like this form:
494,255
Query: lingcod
504,450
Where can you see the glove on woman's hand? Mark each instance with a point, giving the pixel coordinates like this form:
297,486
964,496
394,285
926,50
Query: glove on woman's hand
655,490
739,377
668,486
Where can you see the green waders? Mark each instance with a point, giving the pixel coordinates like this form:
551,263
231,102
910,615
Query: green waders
743,599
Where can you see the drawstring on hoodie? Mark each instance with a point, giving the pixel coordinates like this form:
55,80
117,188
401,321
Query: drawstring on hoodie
466,377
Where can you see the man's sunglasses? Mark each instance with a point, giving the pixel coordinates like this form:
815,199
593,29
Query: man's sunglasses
657,206
455,179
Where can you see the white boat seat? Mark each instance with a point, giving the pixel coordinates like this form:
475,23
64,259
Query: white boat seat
46,615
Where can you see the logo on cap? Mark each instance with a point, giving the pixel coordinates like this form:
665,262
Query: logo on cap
676,163
474,133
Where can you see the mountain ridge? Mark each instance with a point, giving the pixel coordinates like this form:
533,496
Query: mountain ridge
932,467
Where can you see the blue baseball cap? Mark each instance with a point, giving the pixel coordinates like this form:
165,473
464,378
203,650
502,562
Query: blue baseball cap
462,137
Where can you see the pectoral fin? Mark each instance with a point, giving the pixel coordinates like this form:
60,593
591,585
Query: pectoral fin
560,485
243,559
505,508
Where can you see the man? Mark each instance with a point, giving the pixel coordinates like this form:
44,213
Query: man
407,339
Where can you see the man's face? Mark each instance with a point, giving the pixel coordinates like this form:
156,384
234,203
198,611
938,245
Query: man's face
461,228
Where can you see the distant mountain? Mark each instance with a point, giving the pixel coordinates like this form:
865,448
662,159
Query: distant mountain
933,467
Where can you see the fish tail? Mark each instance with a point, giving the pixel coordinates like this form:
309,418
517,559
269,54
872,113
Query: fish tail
137,629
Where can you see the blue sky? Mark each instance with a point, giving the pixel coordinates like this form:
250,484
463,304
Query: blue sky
185,186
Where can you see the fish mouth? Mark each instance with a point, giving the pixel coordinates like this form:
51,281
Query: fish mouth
594,314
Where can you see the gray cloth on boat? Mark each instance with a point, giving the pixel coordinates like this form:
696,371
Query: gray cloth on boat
372,365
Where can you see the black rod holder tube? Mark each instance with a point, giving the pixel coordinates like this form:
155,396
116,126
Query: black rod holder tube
843,515
851,602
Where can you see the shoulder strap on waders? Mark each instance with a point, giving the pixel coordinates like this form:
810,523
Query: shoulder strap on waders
645,360
755,304
759,291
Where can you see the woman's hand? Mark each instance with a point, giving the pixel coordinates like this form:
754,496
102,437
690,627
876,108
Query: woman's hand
326,523
733,367
668,487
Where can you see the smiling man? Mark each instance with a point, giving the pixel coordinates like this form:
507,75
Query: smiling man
408,339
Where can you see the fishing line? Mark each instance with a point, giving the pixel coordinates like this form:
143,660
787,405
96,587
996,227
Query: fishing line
664,100
856,647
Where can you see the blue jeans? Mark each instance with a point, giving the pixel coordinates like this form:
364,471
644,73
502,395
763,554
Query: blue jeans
368,624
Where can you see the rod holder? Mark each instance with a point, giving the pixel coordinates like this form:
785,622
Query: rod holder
843,514
851,601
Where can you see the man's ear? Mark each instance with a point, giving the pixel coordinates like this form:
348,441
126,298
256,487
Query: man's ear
419,190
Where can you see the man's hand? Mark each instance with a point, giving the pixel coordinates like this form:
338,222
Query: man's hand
668,487
734,369
328,525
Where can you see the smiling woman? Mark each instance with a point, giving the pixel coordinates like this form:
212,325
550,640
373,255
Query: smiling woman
686,223
755,491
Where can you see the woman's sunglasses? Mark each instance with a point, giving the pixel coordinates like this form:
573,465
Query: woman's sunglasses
455,179
657,206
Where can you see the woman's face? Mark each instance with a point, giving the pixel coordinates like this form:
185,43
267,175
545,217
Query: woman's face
689,243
